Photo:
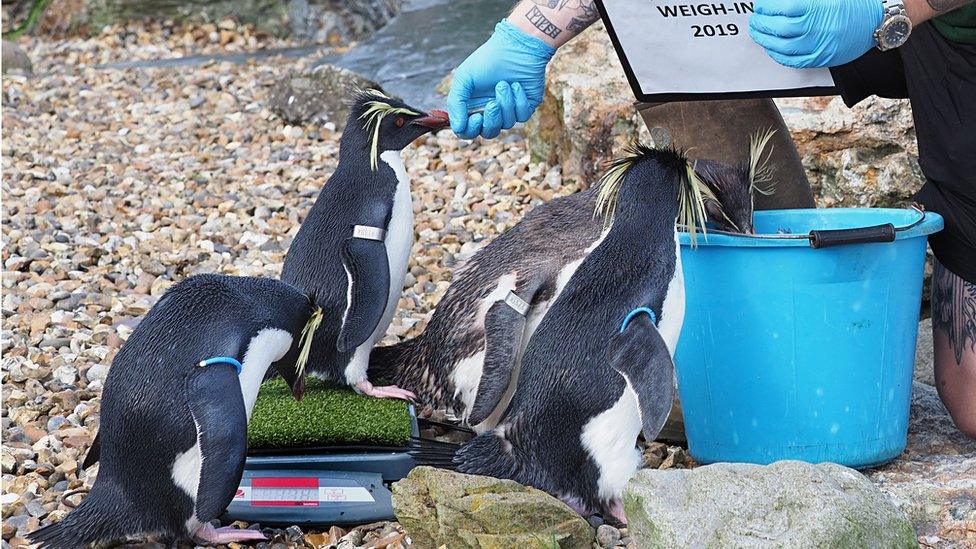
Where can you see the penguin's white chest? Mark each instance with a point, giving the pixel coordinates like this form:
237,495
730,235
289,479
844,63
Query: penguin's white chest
399,240
610,438
265,348
673,308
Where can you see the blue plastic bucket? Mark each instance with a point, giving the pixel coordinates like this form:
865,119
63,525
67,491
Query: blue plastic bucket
794,352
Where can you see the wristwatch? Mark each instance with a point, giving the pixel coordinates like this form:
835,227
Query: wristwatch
895,25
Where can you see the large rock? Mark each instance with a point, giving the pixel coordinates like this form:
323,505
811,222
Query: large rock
785,504
14,58
934,481
588,114
317,96
863,156
443,508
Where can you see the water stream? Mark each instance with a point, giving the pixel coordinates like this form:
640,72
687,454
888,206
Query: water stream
409,57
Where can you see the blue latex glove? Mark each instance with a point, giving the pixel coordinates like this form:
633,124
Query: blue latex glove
815,33
506,76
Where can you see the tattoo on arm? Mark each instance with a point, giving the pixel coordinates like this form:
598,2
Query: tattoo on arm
587,15
942,6
541,22
954,310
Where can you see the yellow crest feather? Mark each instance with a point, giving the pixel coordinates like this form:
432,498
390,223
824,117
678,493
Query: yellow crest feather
760,172
610,182
691,203
305,340
373,116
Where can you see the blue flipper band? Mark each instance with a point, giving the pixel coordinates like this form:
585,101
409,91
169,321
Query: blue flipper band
635,312
223,360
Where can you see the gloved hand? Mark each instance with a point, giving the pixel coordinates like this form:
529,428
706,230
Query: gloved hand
506,76
815,33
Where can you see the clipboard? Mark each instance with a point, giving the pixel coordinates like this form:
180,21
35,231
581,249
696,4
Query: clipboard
688,50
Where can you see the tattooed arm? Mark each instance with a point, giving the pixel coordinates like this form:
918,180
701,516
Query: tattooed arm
555,21
923,10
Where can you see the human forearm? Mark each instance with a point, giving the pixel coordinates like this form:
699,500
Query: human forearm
556,21
923,10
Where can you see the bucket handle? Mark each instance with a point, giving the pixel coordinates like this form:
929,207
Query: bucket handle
825,238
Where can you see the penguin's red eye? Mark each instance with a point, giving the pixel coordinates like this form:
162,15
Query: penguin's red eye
400,122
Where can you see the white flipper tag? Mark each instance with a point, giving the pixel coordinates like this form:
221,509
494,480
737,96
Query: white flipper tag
368,233
514,301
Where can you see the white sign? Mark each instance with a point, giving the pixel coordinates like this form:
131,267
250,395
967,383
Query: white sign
674,47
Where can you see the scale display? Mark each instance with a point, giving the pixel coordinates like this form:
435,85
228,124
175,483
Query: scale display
298,492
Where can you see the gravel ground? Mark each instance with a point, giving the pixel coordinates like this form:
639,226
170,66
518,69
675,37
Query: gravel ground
117,184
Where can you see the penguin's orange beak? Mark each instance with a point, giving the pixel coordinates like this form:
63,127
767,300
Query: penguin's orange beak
435,119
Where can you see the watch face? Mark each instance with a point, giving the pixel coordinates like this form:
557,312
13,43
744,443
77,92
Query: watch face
896,32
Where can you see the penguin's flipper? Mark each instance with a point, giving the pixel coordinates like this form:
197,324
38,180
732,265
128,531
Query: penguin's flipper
94,453
504,328
641,356
217,405
368,269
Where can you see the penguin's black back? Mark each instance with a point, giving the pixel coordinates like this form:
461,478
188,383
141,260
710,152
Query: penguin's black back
145,419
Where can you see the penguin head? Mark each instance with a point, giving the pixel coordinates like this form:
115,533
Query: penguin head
657,186
732,206
733,187
384,123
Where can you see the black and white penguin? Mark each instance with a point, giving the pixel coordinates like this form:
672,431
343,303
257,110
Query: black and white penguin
173,433
598,368
734,188
465,362
466,357
351,251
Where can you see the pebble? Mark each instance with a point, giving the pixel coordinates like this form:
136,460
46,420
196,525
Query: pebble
97,372
607,536
55,423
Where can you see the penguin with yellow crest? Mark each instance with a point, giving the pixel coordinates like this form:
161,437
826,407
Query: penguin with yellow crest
598,368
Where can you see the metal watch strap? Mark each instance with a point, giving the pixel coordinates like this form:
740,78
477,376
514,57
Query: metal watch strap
892,7
368,233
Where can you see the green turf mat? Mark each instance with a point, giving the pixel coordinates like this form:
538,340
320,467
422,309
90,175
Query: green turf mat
326,416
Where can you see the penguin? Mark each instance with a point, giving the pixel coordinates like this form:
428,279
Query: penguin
465,362
598,369
734,188
175,406
351,251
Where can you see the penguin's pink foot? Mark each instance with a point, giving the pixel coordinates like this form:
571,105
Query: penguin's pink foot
390,391
225,535
577,506
617,510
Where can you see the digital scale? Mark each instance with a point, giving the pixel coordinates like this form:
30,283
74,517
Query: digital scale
321,486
